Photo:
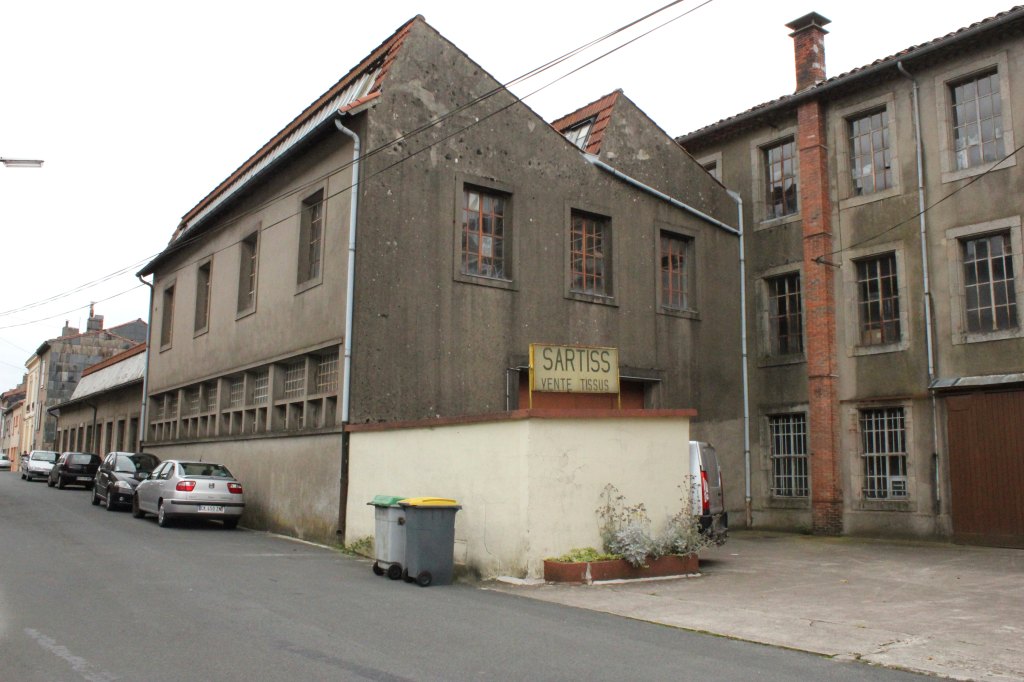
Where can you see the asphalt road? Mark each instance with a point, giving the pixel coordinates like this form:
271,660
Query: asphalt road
87,594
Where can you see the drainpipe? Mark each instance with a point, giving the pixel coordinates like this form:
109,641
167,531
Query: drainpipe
56,426
346,392
145,368
748,505
929,342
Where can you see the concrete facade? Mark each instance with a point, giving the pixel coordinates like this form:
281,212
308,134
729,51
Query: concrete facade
890,359
246,362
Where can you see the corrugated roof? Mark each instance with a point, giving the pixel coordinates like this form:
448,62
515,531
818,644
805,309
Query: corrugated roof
127,371
365,79
600,111
854,74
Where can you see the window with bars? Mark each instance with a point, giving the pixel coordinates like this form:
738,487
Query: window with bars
483,234
261,386
311,225
977,120
248,259
883,433
295,379
785,317
870,153
990,297
209,397
878,300
590,255
203,280
236,392
172,405
676,266
788,437
327,373
780,195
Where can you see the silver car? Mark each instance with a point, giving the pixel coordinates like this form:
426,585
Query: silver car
38,464
189,490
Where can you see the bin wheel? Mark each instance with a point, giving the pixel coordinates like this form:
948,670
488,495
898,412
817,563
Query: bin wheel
394,571
406,577
424,578
377,570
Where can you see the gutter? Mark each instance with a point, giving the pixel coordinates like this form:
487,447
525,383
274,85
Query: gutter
346,393
866,73
661,195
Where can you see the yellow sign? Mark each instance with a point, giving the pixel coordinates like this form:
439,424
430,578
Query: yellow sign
573,369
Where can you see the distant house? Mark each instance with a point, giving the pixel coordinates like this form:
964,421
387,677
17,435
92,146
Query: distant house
481,230
12,407
56,366
103,412
885,272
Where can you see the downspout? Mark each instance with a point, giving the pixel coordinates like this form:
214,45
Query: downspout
346,391
929,342
92,437
56,426
748,504
143,427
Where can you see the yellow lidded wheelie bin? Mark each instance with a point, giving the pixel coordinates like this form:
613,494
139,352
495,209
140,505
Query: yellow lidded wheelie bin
429,540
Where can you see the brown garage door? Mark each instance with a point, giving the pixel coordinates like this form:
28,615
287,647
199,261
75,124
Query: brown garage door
986,466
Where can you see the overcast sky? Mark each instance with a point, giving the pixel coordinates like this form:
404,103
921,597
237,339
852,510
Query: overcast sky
139,109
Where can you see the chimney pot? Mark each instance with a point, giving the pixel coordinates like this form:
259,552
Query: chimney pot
809,48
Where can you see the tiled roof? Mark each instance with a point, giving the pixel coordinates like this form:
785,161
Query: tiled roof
114,359
600,111
853,74
359,83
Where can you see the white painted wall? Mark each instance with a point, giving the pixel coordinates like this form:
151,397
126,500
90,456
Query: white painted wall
529,487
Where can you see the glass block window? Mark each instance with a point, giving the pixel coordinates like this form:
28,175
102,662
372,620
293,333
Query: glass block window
788,438
327,373
870,153
210,397
172,405
590,251
236,392
261,386
878,300
192,399
977,120
483,234
990,297
780,180
295,379
884,452
785,319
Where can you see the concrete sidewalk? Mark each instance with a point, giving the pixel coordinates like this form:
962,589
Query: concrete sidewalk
943,609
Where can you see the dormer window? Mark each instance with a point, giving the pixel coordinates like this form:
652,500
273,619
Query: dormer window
579,134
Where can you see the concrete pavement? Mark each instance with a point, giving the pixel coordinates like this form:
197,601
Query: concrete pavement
944,609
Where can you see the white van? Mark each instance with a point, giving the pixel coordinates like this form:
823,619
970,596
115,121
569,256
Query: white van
707,498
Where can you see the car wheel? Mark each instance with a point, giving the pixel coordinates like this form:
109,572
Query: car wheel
161,516
50,482
136,510
110,500
23,476
60,482
95,498
231,523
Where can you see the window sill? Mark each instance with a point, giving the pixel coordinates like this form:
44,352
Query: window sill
782,360
201,332
484,281
975,337
308,284
591,298
954,175
901,505
245,312
776,502
767,223
880,349
166,346
688,314
855,200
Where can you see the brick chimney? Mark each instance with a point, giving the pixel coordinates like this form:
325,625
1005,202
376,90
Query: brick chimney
95,322
818,286
809,46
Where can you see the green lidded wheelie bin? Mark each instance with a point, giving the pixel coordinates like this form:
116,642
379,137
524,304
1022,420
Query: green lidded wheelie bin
389,536
429,540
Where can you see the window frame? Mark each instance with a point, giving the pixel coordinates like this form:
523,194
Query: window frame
869,304
905,454
758,150
796,458
305,278
851,300
248,253
510,254
943,85
204,296
842,121
608,240
774,347
954,239
765,356
689,239
712,165
167,296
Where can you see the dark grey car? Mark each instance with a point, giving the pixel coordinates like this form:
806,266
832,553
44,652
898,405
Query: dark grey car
119,475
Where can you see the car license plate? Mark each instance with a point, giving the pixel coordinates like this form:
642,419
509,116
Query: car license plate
210,509
84,478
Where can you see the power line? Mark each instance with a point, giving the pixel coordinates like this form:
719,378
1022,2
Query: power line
68,312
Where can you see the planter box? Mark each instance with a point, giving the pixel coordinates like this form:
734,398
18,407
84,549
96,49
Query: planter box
619,569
